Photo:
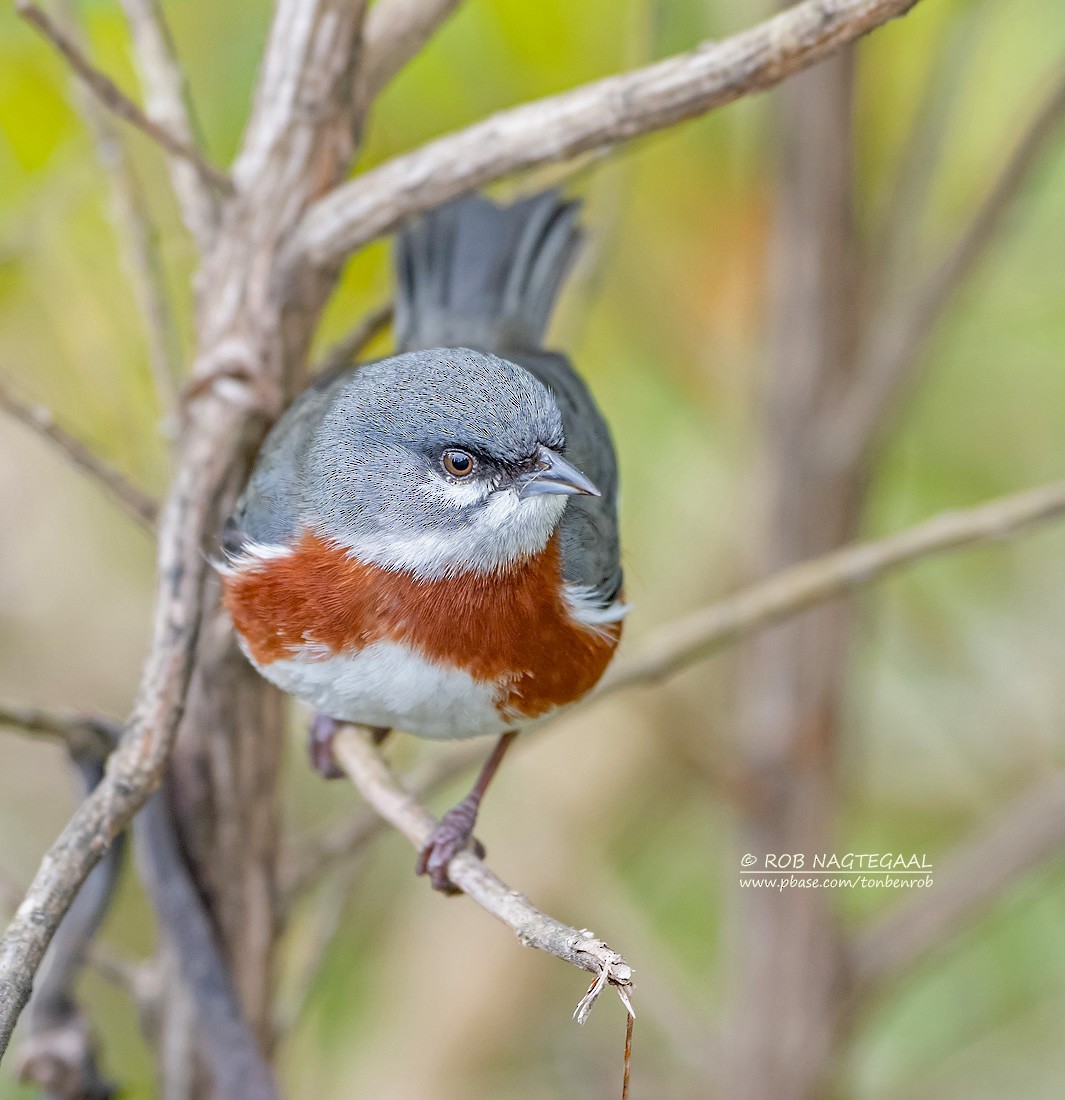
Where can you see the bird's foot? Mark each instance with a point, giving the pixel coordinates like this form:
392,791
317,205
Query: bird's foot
454,834
320,736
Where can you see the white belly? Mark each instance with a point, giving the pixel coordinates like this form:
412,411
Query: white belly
387,684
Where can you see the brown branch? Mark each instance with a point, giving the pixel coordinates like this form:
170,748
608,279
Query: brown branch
790,591
136,503
352,344
599,114
81,734
895,340
367,770
1029,832
115,99
395,31
167,102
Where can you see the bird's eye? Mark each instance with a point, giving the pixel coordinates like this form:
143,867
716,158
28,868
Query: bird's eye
458,463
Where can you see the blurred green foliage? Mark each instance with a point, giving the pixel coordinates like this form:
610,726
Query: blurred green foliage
957,691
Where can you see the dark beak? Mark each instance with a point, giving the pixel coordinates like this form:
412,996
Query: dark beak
553,474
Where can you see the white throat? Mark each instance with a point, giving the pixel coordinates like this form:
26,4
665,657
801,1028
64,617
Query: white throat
506,529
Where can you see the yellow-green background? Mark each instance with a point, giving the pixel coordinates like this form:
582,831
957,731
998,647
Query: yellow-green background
958,693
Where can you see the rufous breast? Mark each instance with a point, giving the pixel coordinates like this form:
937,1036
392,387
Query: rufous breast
512,629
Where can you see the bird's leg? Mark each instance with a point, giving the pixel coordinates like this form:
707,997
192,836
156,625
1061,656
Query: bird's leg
455,830
320,736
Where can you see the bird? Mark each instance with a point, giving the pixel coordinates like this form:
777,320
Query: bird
428,542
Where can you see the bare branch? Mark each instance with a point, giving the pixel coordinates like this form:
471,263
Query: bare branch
602,113
895,341
167,101
792,590
81,734
1028,833
395,31
136,766
137,504
367,770
115,99
351,346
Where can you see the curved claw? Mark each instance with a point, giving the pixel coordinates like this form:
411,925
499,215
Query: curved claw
454,834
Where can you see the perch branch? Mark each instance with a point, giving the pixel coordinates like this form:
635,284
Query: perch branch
367,770
167,101
1029,832
39,419
595,115
676,646
115,99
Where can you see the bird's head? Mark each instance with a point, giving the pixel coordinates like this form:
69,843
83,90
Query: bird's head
441,462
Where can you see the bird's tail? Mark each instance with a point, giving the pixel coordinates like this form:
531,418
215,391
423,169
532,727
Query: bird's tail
475,274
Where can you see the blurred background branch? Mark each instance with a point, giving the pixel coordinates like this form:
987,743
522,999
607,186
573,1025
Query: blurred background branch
133,501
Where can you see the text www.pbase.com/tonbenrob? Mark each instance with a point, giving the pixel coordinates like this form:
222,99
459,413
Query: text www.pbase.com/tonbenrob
838,882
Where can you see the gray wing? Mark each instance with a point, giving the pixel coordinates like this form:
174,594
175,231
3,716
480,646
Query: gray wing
591,554
268,511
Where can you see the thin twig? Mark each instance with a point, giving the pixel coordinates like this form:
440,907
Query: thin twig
136,503
599,114
895,341
81,734
367,770
167,100
115,99
630,1020
352,344
1029,832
